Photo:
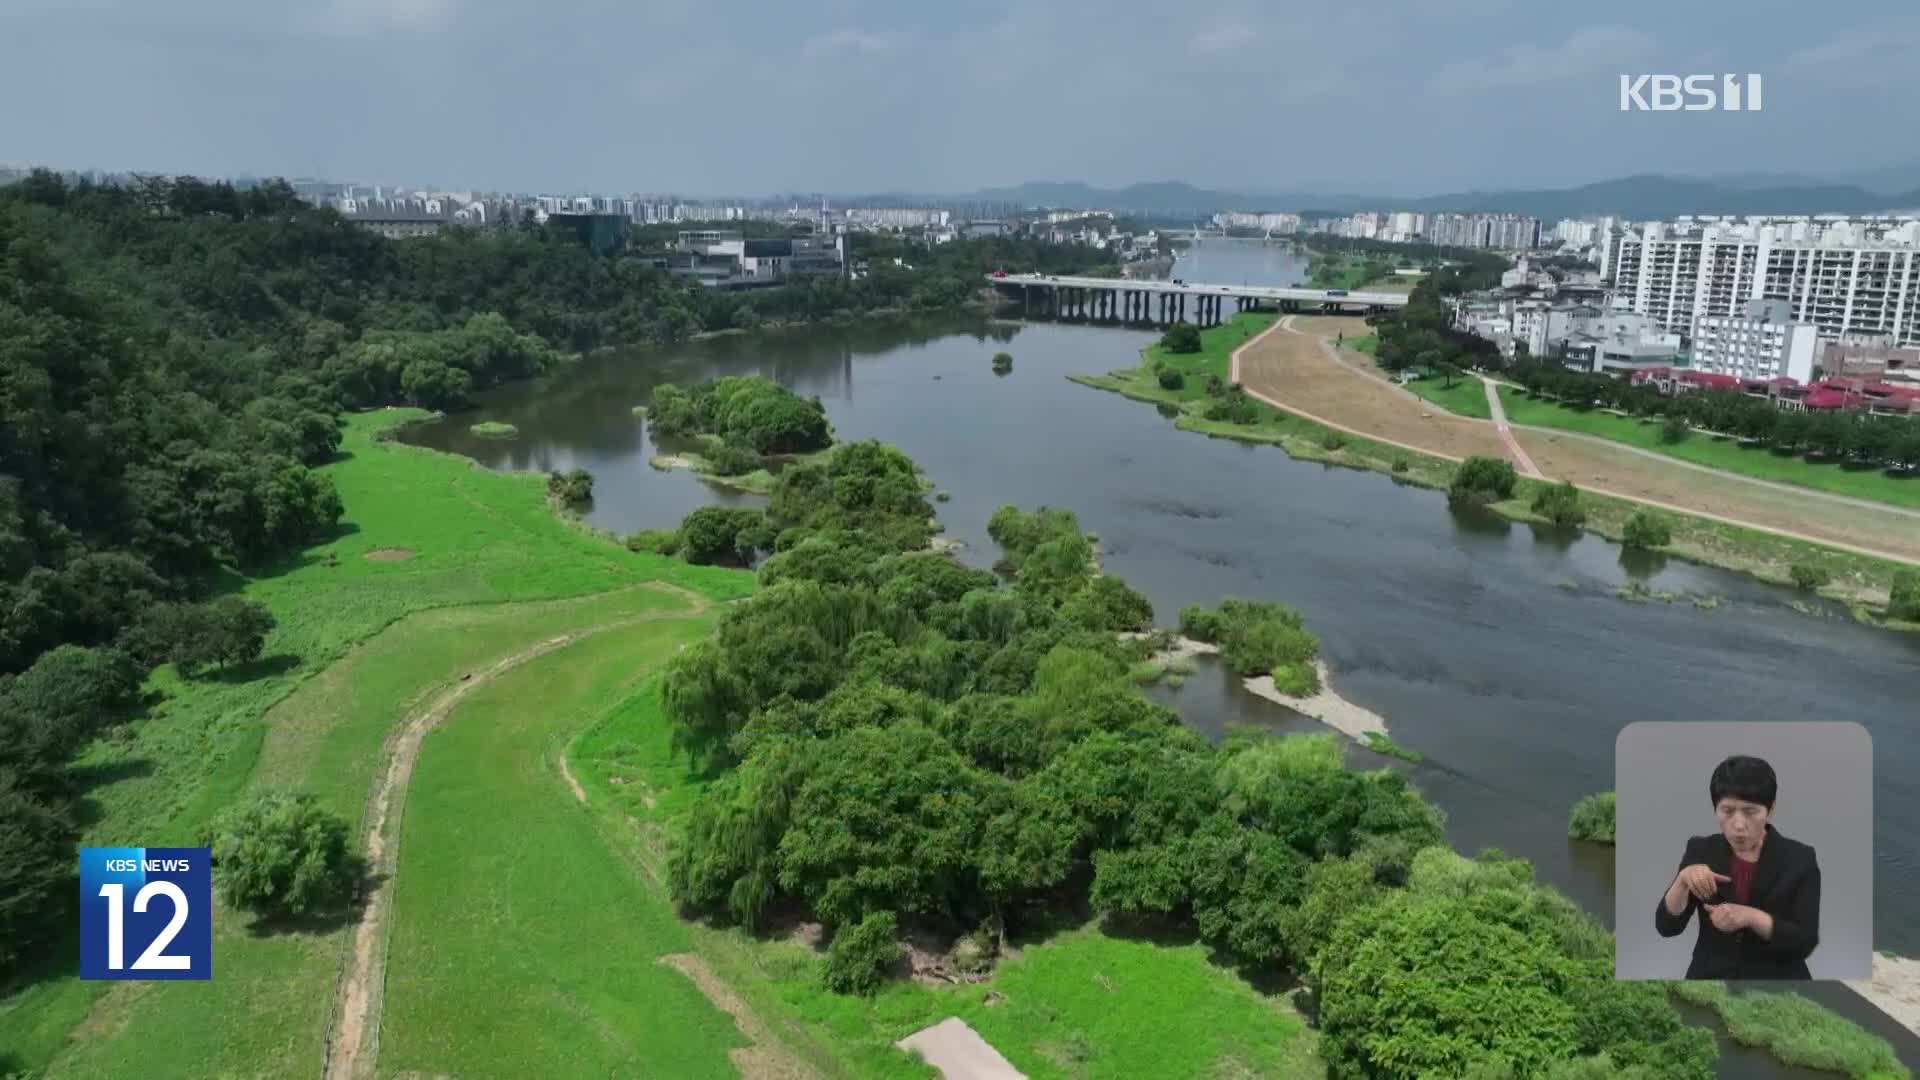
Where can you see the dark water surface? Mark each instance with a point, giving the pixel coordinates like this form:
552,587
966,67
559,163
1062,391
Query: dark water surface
1500,652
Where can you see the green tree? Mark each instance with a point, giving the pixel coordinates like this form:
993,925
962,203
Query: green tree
1808,576
1171,379
1418,985
1592,818
572,488
1560,504
1482,480
1181,337
281,854
1904,598
1646,530
863,955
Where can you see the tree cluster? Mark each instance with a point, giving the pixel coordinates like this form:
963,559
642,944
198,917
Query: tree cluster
1259,638
1889,442
899,740
748,411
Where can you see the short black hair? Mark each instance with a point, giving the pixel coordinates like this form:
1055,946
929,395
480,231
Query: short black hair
1746,778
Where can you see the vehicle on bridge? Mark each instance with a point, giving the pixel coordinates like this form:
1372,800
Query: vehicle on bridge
999,273
1336,292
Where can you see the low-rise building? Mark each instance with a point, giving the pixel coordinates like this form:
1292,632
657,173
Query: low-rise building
1761,342
1870,356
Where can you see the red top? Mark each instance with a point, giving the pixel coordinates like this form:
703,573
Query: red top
1742,873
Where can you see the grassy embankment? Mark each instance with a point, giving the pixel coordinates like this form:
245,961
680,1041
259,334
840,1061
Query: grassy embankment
1760,554
1080,1003
441,569
1714,451
1795,1030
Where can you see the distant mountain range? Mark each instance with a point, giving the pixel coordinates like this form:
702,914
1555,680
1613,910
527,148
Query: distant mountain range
1637,197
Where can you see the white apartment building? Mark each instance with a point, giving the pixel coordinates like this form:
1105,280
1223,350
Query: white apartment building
893,217
1508,231
1271,222
1840,275
1762,342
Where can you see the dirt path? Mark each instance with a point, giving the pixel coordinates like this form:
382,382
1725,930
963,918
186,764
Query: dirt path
1514,449
765,1059
353,1036
1293,367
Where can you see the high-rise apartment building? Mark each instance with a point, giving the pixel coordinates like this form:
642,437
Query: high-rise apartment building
1840,275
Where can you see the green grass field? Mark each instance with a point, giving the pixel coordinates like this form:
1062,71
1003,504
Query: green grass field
1714,451
1216,351
465,559
1080,1004
522,945
1466,397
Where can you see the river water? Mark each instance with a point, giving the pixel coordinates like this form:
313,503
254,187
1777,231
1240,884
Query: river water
1500,652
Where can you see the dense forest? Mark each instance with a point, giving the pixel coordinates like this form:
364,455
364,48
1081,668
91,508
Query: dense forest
902,742
173,357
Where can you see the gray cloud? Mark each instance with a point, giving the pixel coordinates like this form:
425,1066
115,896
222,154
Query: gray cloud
872,95
1592,48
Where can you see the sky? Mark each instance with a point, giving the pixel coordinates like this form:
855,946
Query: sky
864,96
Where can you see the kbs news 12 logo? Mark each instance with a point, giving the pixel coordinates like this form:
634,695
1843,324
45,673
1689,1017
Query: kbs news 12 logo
146,913
1689,93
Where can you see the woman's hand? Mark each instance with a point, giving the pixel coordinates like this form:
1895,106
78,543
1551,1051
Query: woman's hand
1701,880
1730,917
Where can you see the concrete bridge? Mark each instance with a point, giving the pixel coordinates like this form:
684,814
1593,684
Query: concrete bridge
1165,302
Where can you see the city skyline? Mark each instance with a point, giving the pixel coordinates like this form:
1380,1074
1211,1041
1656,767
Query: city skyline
856,96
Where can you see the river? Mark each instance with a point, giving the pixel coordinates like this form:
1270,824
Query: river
1503,656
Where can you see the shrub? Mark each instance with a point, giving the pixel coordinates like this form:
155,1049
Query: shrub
862,955
1181,337
1400,463
571,488
494,429
1592,818
1002,363
1235,407
1482,480
1332,440
1202,623
281,854
655,541
1808,576
1216,386
1267,646
1673,430
1904,602
1647,530
731,459
1171,379
1560,504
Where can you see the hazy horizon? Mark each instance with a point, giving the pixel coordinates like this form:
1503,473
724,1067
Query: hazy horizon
860,97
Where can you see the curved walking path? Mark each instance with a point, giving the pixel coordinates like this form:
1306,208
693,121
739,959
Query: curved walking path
1285,325
353,1036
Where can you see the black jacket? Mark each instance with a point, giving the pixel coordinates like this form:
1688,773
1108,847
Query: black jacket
1786,885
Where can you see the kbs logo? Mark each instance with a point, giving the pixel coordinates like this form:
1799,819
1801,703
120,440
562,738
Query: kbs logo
1688,93
146,913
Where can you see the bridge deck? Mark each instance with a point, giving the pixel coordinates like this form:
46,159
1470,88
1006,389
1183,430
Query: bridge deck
1193,288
